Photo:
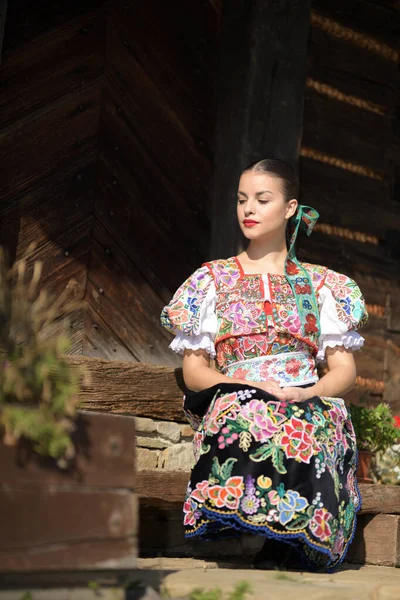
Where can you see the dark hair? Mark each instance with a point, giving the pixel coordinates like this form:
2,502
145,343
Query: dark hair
280,169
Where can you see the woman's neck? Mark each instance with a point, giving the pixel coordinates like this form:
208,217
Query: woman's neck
265,256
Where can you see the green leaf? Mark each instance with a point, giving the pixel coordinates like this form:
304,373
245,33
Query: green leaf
216,469
226,468
277,460
299,523
262,453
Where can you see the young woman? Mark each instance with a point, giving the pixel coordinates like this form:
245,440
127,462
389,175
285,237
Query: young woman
274,445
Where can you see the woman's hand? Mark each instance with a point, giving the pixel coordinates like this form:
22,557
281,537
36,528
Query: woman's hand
270,386
294,394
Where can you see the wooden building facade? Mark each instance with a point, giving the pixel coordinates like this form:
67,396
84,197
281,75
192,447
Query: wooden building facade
108,112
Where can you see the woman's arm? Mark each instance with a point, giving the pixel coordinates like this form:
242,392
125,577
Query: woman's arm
339,380
198,374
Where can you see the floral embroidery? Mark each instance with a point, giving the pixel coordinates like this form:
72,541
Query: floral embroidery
319,524
227,495
297,440
264,418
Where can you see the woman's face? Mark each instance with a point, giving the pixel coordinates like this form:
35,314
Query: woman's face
262,209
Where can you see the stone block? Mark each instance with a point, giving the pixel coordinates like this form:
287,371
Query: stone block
146,459
186,431
144,441
179,457
144,425
171,431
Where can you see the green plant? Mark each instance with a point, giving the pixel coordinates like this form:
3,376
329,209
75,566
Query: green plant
375,428
238,593
38,387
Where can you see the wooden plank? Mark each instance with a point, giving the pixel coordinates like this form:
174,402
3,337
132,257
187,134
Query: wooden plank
260,99
177,46
377,499
56,63
346,194
392,377
32,148
367,17
324,117
134,317
181,181
121,209
345,255
86,514
105,457
377,541
168,486
92,554
331,54
40,19
132,388
100,341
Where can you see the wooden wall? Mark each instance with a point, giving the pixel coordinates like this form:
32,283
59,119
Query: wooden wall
106,135
105,139
349,160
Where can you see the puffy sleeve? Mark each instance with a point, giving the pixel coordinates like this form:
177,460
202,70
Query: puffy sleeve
342,312
191,314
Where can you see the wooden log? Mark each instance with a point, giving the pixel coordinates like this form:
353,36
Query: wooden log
377,541
380,499
105,457
76,518
260,95
138,389
161,485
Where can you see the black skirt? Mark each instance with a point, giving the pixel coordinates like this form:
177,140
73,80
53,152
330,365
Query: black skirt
282,470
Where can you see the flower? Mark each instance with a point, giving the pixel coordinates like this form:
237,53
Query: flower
288,504
219,410
319,524
201,492
311,324
292,324
396,420
297,440
242,317
228,495
273,515
250,504
264,418
264,482
226,276
292,268
293,367
190,511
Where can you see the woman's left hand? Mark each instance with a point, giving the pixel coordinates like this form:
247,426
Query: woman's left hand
294,394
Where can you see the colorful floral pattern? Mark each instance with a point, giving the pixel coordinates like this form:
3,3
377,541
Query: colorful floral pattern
278,469
286,369
252,452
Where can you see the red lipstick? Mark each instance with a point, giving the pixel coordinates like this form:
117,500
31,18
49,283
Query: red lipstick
249,223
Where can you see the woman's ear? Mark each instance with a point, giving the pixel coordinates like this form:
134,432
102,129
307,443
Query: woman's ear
291,208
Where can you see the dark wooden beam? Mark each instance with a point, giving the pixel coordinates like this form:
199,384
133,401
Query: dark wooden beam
260,94
3,12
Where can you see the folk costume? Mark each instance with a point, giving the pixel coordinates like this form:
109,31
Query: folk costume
282,470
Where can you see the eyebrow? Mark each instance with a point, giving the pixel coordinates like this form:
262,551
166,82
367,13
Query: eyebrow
257,194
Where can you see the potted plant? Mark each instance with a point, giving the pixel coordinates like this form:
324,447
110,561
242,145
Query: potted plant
375,430
38,388
67,475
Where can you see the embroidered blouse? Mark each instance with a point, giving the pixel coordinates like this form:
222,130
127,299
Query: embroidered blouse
236,316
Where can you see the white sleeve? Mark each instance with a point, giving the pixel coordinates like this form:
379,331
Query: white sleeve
334,331
208,328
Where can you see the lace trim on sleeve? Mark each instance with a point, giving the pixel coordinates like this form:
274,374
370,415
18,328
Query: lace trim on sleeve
182,342
351,340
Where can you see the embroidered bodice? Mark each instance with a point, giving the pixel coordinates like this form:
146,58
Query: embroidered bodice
239,317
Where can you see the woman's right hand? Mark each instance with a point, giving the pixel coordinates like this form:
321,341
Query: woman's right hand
270,386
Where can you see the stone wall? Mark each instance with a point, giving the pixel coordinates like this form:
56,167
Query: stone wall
163,445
